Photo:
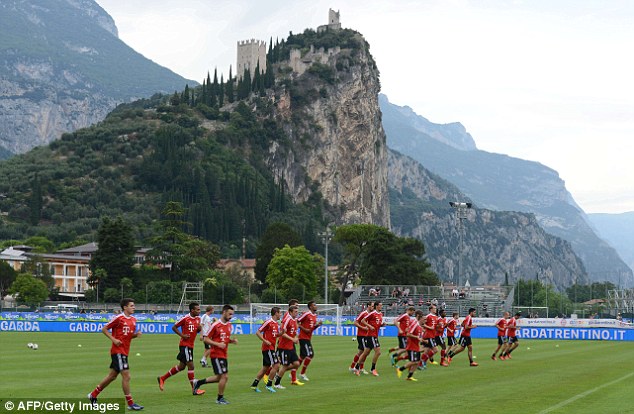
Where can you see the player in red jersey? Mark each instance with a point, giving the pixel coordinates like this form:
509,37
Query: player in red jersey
292,302
268,333
414,335
441,324
189,327
374,321
502,339
307,323
362,332
452,343
513,341
206,318
218,335
402,324
123,329
286,348
429,336
465,337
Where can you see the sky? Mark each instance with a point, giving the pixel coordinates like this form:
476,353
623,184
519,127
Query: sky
542,80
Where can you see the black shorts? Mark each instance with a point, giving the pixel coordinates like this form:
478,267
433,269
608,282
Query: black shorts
514,340
360,343
207,346
288,356
414,356
451,340
185,354
221,365
119,362
270,358
402,342
440,341
432,342
502,340
306,349
371,342
465,341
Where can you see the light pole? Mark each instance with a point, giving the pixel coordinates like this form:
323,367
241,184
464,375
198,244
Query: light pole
461,215
326,236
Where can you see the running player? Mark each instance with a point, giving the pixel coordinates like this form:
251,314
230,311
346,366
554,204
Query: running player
374,320
441,324
362,332
465,337
501,325
218,335
452,343
123,329
206,318
268,334
429,337
286,347
414,336
513,341
402,324
189,327
307,323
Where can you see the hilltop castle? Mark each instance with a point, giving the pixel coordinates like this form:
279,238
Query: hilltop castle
333,22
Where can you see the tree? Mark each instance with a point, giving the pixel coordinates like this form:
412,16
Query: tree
29,290
7,277
276,235
115,253
95,279
294,272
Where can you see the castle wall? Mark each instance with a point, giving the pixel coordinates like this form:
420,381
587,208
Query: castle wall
249,53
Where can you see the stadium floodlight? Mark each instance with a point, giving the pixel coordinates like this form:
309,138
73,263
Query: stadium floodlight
461,215
326,236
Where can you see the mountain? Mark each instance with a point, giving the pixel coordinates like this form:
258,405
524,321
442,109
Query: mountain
496,244
63,67
617,229
502,183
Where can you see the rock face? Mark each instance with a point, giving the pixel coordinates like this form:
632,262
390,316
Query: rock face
495,243
341,143
62,67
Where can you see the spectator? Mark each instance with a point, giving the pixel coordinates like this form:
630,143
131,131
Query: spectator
454,292
373,292
462,295
406,292
395,293
434,302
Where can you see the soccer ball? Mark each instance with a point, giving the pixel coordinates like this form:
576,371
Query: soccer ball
30,345
35,346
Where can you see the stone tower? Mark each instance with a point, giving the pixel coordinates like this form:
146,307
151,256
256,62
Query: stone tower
333,22
250,52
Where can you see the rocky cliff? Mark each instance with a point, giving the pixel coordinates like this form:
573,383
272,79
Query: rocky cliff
62,67
496,243
329,105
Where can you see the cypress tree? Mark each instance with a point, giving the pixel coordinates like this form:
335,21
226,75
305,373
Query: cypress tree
229,87
221,95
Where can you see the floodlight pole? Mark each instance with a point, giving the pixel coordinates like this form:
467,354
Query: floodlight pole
326,236
461,209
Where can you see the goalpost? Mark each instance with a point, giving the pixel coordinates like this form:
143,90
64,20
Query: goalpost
329,314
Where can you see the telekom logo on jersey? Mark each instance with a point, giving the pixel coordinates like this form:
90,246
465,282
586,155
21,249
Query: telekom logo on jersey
126,329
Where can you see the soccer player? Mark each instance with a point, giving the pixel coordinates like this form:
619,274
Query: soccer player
123,329
414,336
513,341
429,337
501,325
374,320
465,337
286,348
204,320
402,324
307,323
189,327
268,333
441,324
452,344
292,302
218,335
362,332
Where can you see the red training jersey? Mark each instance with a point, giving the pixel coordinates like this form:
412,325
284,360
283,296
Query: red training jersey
308,320
123,328
467,322
413,344
511,326
189,326
451,328
218,332
430,321
290,329
403,323
360,318
441,323
375,319
270,330
501,325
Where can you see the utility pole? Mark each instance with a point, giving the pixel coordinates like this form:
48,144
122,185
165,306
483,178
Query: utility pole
326,236
461,215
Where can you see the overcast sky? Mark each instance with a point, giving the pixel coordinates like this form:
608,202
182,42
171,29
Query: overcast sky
542,80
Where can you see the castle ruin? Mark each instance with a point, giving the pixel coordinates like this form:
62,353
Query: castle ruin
333,22
250,52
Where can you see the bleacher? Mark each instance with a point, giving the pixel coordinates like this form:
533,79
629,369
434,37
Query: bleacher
486,299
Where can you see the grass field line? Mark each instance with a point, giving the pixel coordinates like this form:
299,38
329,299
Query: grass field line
585,394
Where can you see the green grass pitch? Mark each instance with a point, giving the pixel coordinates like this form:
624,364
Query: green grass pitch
573,377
